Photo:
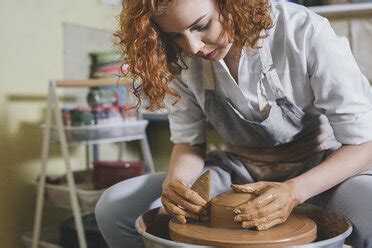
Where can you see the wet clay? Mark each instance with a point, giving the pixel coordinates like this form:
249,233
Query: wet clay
289,233
328,224
155,222
223,231
221,209
202,185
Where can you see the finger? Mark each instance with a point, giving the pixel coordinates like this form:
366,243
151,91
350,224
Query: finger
252,188
246,217
248,224
166,207
251,213
243,208
170,207
187,193
266,212
263,200
175,210
246,207
181,219
268,225
263,221
174,197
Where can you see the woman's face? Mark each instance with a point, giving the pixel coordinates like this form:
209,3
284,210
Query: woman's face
195,26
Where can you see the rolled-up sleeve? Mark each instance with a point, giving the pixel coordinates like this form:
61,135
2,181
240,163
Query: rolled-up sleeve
340,89
187,121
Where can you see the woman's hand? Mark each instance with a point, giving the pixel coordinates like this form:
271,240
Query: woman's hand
272,206
182,202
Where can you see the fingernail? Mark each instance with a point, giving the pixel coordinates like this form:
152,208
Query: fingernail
235,186
261,227
181,219
237,211
257,192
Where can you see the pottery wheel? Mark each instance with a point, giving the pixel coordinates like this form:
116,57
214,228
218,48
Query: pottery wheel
298,229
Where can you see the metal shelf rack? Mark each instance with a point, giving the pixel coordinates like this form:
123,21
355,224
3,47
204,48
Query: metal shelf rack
69,136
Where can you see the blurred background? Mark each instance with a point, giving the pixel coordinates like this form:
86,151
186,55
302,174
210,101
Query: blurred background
43,40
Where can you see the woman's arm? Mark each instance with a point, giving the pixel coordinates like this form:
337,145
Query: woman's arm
179,200
186,162
342,164
342,93
276,200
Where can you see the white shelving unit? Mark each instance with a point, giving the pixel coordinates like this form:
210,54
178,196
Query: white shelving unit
342,9
78,196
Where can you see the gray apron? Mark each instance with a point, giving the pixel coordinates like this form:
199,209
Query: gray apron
285,144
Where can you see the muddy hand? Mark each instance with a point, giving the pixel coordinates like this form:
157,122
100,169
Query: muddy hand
272,206
182,202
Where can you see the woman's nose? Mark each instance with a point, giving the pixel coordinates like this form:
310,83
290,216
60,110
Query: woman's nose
194,45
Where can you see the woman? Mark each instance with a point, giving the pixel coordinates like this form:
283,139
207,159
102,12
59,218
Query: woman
276,83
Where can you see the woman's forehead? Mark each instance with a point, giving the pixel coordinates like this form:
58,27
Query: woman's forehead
182,13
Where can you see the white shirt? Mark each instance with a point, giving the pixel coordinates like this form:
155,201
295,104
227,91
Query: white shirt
316,68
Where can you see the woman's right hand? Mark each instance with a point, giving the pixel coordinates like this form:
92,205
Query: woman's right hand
180,201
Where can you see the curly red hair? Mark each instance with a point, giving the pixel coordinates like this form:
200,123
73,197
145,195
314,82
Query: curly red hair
155,60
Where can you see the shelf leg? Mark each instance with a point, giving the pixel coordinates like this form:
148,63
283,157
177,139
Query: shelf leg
41,189
147,155
70,179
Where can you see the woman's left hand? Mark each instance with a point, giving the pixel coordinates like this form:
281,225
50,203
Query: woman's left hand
272,206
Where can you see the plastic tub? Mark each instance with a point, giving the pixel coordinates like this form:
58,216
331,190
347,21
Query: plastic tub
108,173
59,195
49,238
92,133
153,226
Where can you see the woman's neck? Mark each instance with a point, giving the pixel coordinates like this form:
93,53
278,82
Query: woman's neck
232,61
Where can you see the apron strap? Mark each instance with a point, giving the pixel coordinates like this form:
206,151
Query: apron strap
208,78
268,69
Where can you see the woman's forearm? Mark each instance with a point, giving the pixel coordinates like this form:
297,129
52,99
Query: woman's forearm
186,163
342,164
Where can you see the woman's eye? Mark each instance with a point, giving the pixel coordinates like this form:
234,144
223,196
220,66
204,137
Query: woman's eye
204,27
173,36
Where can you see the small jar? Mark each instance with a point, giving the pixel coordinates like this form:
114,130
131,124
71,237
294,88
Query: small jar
113,114
66,116
129,113
99,96
82,116
100,115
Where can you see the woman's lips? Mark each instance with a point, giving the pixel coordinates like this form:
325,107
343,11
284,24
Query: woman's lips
208,55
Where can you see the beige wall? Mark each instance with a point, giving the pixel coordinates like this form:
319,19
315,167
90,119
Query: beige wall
31,48
358,29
